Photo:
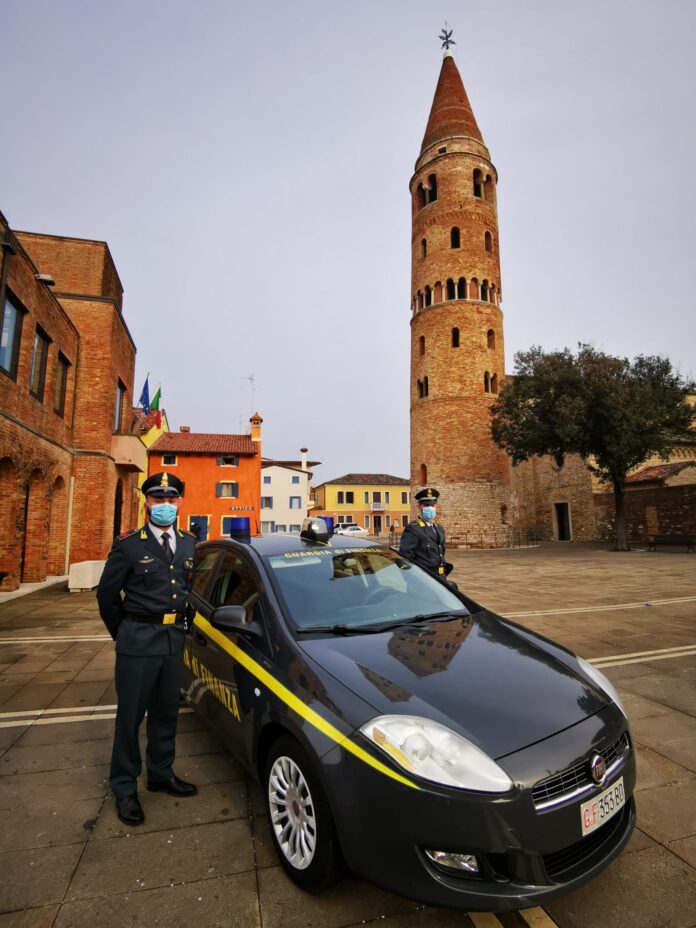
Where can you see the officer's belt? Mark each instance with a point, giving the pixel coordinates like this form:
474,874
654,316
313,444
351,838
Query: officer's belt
156,618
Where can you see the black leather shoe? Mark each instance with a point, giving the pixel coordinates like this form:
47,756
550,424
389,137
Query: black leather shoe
129,810
174,786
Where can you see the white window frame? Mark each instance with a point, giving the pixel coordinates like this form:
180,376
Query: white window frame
170,463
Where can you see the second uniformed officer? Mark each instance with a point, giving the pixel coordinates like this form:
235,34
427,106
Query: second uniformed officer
152,566
423,540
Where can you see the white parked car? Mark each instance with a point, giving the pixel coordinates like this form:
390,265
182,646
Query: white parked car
349,528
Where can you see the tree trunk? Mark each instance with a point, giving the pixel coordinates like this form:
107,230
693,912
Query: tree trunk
620,516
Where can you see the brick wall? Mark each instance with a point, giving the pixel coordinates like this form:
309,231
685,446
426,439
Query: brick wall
655,510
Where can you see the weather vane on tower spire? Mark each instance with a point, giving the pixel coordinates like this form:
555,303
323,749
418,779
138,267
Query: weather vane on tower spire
446,37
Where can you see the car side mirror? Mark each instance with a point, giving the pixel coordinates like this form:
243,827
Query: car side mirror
234,619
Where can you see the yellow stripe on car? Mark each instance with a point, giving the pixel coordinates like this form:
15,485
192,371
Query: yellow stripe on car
289,698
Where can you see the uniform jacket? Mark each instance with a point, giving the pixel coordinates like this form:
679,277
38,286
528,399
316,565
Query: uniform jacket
138,567
427,549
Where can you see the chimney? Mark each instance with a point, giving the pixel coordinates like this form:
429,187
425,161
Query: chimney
256,421
184,428
303,452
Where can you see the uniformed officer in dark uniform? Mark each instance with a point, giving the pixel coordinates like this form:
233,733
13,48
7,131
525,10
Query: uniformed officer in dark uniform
153,567
423,540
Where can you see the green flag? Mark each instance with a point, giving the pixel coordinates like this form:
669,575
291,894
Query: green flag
155,401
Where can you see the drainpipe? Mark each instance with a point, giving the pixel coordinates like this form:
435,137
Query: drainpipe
71,493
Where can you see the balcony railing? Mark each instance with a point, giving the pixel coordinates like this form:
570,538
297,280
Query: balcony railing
378,507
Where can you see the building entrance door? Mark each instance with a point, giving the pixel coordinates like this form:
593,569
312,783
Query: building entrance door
199,526
562,521
377,521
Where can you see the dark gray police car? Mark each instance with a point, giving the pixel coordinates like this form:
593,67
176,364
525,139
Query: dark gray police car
401,729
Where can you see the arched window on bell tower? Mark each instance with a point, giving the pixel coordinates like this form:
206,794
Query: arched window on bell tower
455,338
421,345
423,474
425,386
461,288
490,338
420,389
478,183
428,296
454,237
488,241
424,248
487,382
451,293
432,188
484,290
494,383
420,196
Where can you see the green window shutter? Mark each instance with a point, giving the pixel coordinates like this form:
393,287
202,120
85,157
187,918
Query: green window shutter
235,489
218,489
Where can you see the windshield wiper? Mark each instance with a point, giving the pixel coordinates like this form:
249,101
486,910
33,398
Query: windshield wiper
384,627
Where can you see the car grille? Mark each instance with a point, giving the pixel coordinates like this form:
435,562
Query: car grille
576,780
560,864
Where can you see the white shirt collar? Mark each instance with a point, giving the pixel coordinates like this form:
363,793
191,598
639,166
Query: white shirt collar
158,532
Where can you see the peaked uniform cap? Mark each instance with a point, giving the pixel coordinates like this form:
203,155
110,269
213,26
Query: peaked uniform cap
163,484
451,113
428,495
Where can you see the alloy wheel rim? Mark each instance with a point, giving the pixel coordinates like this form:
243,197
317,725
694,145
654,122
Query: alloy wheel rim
293,817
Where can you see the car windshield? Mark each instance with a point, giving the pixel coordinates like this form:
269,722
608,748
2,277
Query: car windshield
354,588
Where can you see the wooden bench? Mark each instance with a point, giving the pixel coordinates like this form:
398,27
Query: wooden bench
677,539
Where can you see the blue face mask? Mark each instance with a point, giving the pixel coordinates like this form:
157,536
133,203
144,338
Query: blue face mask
429,513
163,514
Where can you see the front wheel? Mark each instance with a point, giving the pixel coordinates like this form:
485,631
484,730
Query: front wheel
299,817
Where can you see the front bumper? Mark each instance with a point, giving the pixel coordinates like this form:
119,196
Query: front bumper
526,857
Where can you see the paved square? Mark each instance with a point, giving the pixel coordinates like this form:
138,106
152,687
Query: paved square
66,860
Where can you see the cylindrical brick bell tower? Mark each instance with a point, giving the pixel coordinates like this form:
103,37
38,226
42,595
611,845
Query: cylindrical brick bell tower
457,355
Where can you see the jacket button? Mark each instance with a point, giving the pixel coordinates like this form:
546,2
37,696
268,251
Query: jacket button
173,595
173,581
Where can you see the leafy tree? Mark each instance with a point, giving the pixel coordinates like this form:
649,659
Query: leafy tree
611,411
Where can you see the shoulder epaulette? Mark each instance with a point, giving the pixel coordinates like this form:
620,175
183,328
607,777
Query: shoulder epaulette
133,531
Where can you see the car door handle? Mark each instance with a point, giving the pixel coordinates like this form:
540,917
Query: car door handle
200,638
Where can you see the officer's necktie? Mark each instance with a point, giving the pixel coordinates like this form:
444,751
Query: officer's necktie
168,553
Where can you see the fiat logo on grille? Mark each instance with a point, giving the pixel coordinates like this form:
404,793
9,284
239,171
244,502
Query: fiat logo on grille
598,768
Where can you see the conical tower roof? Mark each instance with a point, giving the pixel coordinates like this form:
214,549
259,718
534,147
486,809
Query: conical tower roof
451,112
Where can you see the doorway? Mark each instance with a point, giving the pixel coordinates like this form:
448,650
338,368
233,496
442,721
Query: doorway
377,521
562,514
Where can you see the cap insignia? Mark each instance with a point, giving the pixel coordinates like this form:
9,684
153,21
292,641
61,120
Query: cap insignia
164,482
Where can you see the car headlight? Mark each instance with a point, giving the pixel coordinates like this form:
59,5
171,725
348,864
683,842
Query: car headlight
602,683
432,751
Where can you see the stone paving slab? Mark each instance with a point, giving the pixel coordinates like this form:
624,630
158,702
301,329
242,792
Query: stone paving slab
216,802
227,902
30,918
47,823
44,757
669,902
667,813
21,791
38,877
146,861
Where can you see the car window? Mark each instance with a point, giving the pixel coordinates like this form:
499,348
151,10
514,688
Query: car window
203,567
365,586
235,585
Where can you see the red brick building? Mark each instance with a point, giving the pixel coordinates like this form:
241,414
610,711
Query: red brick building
221,473
68,460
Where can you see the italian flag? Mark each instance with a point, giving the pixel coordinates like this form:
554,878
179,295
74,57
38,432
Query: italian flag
155,405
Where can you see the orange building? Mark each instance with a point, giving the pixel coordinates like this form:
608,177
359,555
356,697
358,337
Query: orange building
221,474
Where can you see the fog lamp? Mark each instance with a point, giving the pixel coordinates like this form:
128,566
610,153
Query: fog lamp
465,862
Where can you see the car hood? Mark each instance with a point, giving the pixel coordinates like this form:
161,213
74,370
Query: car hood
498,685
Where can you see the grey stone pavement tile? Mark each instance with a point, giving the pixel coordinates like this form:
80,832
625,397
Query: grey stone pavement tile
22,791
46,823
66,732
686,849
215,802
647,889
226,902
40,757
667,813
38,877
283,905
145,861
34,696
80,694
30,918
656,770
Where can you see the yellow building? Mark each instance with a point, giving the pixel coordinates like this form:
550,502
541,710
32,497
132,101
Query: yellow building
376,502
149,431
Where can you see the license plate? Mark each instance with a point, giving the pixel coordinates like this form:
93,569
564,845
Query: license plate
595,812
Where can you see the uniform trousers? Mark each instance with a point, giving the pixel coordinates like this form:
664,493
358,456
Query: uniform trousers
152,684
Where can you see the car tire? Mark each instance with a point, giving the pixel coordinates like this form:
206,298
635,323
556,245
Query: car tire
299,817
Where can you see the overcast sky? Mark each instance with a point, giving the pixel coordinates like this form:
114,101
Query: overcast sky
248,165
